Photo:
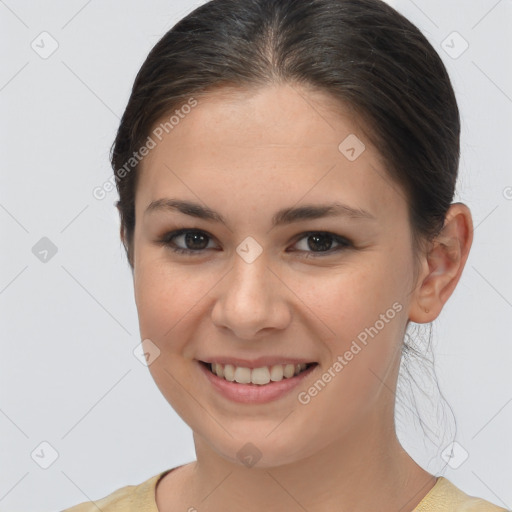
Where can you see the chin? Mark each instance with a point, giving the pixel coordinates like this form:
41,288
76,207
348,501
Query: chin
252,449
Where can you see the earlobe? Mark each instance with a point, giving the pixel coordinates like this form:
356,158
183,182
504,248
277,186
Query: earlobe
443,265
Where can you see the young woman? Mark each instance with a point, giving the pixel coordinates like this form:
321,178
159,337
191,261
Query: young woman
286,170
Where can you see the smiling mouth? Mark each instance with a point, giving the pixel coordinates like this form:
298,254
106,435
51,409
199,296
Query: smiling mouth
258,376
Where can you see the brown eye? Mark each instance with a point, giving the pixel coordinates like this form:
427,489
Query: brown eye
317,242
187,241
321,242
195,240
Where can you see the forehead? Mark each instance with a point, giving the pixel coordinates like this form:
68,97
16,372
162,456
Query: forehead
278,142
269,116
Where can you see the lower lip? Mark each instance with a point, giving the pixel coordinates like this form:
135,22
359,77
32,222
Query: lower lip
254,393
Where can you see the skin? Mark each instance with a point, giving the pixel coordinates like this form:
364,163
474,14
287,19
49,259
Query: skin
246,154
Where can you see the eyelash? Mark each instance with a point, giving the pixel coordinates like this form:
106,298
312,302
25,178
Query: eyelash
167,241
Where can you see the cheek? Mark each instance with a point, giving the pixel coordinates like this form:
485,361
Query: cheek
167,302
173,305
164,297
362,312
350,299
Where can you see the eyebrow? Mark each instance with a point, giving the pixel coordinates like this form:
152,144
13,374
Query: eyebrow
283,216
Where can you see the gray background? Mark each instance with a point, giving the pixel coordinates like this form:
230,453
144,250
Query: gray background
69,377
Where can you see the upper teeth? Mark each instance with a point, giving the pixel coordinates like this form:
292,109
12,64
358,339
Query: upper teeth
261,376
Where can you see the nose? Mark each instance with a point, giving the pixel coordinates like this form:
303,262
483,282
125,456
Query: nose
251,300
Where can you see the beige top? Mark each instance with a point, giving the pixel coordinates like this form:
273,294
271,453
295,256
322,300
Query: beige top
443,497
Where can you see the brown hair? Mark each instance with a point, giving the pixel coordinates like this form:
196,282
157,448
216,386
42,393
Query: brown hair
361,52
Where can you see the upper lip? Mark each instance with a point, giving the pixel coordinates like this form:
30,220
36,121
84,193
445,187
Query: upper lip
256,363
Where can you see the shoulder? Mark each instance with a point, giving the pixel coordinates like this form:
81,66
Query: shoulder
445,496
140,497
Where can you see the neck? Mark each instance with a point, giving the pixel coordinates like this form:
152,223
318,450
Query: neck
364,470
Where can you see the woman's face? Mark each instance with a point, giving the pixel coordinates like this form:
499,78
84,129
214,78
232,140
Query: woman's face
272,281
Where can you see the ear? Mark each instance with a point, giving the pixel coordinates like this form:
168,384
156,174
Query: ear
443,265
